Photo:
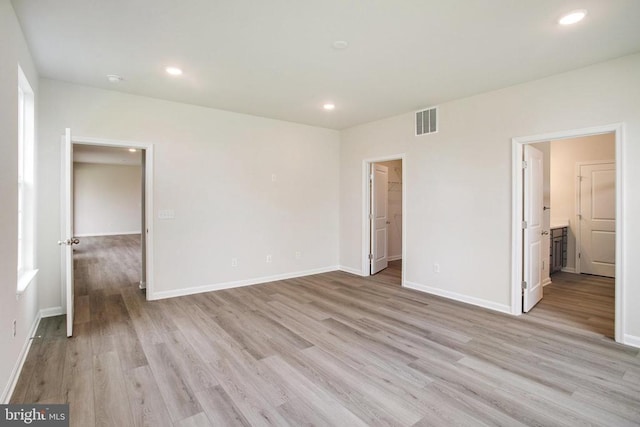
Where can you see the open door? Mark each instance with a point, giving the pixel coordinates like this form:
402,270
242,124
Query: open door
67,239
379,217
532,227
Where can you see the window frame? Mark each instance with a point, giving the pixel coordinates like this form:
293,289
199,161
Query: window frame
26,184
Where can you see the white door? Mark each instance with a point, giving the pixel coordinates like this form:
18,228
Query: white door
379,217
598,219
533,227
67,239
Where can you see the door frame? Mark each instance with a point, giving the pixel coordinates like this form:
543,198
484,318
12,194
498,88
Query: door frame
148,202
516,214
577,207
366,206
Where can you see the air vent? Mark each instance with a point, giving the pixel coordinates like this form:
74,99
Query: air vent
427,121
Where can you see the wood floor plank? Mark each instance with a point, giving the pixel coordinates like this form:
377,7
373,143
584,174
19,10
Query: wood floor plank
147,406
329,408
111,403
220,408
198,420
178,396
79,394
48,371
81,310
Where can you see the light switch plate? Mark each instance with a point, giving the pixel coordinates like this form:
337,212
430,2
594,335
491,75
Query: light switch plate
166,214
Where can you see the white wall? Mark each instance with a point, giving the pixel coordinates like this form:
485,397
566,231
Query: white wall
13,51
214,169
394,242
564,156
458,199
107,199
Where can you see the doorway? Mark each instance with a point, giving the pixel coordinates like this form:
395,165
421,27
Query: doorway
384,233
569,215
108,195
144,210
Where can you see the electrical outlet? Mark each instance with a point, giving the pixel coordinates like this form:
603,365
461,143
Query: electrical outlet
268,259
234,262
436,268
298,254
14,327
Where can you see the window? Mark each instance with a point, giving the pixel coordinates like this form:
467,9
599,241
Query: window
26,182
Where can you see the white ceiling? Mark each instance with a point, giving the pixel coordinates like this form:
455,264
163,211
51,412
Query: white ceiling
275,58
105,155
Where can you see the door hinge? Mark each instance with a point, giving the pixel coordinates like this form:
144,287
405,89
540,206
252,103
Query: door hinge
579,216
579,255
371,177
524,164
370,216
524,225
524,284
370,257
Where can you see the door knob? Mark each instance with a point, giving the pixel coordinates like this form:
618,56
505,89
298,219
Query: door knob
544,233
69,242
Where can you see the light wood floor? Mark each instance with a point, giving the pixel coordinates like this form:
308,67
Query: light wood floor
329,349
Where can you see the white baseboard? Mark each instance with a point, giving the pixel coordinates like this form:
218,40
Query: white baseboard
569,270
51,311
351,270
631,340
17,369
109,233
236,284
394,257
503,308
546,281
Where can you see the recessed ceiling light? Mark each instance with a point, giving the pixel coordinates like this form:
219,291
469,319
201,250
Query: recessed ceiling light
133,150
174,71
329,106
573,17
340,44
114,78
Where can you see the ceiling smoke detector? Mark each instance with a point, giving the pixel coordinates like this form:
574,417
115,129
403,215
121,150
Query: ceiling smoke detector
340,44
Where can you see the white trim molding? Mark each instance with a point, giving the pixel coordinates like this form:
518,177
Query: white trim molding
109,233
351,270
236,284
25,279
518,144
17,369
491,305
631,340
52,311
